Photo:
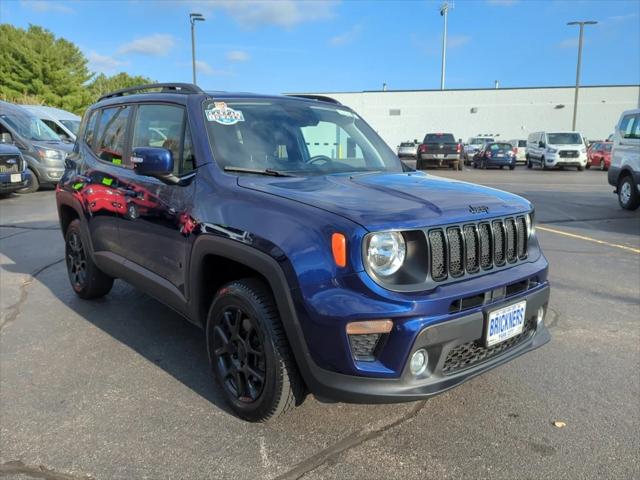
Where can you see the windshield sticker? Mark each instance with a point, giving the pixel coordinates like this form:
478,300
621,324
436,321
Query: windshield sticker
223,115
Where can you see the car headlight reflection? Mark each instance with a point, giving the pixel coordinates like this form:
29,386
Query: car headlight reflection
386,252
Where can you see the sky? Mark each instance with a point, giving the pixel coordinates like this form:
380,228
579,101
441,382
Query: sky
349,45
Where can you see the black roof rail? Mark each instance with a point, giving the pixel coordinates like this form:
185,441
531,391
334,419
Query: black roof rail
166,87
320,98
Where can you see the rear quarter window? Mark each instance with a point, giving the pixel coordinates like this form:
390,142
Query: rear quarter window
111,135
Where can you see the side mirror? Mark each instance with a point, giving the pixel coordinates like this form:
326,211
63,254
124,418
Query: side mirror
153,162
541,144
6,137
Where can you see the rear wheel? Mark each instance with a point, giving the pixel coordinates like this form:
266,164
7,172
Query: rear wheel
33,185
628,196
87,280
249,352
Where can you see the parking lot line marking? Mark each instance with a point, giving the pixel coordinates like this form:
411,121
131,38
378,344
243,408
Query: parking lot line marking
588,239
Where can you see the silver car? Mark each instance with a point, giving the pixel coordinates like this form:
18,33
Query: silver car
408,150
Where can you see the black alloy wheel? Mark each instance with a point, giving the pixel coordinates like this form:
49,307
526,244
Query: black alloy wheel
238,347
87,280
76,261
249,352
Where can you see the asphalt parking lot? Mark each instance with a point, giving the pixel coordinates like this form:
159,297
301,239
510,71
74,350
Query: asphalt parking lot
119,388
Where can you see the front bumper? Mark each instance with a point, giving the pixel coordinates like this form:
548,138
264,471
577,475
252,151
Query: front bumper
558,161
6,185
439,340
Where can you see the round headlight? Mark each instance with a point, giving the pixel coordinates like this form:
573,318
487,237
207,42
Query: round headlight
386,252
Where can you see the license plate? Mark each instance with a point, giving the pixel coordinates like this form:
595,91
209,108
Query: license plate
505,323
16,178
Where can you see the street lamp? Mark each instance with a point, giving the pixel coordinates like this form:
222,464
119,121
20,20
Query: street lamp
444,11
575,98
193,18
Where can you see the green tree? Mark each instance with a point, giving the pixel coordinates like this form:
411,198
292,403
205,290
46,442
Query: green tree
36,64
102,84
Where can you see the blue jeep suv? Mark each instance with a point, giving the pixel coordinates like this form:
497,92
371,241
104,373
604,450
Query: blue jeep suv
313,259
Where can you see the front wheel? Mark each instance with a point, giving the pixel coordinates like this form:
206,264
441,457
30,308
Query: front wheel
628,196
580,168
87,280
249,352
33,185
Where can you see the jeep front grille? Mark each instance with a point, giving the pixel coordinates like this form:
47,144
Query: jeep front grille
470,248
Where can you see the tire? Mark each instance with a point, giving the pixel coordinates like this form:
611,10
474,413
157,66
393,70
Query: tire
86,279
529,164
628,196
501,167
588,166
511,167
132,211
244,333
33,185
580,168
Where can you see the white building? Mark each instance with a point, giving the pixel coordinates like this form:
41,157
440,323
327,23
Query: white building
510,113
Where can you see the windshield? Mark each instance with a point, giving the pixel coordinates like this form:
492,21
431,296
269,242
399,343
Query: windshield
439,138
29,127
564,138
607,147
294,137
480,141
407,144
500,146
72,125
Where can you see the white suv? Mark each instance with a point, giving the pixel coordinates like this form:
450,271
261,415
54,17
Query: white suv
556,149
624,172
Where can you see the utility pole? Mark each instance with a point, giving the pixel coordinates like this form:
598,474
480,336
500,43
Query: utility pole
444,12
575,97
193,18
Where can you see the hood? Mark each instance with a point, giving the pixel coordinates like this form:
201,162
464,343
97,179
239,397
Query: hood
379,201
54,144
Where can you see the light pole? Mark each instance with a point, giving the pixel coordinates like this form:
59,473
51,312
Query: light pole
193,18
444,11
575,97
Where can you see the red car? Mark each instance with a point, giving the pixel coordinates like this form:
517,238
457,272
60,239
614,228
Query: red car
599,155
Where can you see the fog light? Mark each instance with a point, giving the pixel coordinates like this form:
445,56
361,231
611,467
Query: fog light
418,362
540,316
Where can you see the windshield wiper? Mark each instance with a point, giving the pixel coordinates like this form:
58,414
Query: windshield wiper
266,171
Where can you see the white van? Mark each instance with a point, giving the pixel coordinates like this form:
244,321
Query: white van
65,124
624,172
556,149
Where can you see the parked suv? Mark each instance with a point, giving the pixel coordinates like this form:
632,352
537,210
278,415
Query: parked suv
313,259
624,172
556,150
13,169
42,149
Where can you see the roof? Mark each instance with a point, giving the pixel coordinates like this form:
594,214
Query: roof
51,112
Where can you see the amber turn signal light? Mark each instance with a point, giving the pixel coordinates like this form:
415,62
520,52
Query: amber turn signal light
339,249
369,326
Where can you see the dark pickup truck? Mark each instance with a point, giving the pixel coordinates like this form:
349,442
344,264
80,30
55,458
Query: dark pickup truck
438,149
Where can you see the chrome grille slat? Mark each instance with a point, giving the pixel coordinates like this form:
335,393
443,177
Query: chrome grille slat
512,239
438,255
472,251
456,252
461,250
486,246
498,243
523,237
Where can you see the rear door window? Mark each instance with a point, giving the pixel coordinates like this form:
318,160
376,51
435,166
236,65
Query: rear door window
112,136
